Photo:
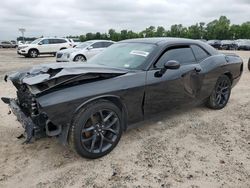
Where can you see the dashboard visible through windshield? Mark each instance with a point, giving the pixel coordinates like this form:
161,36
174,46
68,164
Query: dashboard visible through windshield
124,55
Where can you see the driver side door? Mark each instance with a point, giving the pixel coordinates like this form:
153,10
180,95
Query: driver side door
176,87
44,46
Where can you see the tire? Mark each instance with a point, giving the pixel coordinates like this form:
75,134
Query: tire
79,58
33,53
248,64
96,129
220,94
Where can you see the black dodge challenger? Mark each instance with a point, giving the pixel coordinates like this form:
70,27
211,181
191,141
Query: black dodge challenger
88,106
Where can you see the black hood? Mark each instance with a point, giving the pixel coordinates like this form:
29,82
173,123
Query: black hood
46,76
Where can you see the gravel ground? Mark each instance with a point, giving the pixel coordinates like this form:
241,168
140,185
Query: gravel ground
195,147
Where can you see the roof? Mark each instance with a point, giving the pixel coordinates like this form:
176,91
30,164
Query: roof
163,41
158,40
98,41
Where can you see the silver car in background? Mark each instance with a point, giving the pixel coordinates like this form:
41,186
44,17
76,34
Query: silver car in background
83,51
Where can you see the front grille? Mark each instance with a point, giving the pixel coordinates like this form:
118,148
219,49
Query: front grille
59,55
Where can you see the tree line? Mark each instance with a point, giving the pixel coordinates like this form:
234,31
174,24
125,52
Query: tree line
220,29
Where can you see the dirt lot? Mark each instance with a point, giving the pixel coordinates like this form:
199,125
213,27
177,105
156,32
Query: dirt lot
195,147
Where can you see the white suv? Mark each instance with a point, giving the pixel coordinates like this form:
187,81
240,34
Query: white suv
83,51
43,46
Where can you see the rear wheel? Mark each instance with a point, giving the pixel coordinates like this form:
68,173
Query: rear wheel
79,58
96,129
221,93
33,53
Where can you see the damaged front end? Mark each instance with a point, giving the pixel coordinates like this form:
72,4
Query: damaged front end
42,80
31,129
28,112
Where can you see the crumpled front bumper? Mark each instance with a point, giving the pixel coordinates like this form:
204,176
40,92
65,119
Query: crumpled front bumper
26,122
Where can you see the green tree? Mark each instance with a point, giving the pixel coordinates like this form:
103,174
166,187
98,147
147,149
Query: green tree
216,29
160,31
245,30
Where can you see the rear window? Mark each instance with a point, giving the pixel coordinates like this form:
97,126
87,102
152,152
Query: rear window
199,53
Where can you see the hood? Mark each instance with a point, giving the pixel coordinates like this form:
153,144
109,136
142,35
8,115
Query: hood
24,45
50,75
70,50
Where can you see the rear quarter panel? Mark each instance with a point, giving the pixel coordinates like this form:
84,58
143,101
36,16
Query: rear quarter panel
215,66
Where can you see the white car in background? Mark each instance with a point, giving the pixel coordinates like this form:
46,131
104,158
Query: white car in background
43,46
83,51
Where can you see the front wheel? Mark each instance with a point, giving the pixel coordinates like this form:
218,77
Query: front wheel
33,53
221,93
96,130
79,58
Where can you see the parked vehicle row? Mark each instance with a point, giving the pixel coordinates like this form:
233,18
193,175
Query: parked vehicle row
8,44
241,44
65,50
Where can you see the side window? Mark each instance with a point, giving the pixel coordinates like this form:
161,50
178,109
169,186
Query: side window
61,40
56,41
45,41
107,44
184,55
52,41
97,45
199,53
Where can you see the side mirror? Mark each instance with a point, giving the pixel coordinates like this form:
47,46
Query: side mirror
90,47
40,43
171,64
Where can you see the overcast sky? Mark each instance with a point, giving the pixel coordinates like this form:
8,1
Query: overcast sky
75,17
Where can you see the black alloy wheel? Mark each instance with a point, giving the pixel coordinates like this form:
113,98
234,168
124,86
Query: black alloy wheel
97,130
221,93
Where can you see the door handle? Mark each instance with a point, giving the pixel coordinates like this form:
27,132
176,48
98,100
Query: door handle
197,69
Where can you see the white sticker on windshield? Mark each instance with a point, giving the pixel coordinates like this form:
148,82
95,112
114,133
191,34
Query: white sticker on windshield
127,65
140,53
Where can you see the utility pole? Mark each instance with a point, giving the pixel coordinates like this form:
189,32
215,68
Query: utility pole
22,30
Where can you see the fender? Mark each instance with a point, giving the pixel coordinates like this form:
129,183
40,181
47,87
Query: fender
118,99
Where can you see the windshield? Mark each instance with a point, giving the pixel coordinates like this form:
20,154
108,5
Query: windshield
35,41
124,55
83,45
